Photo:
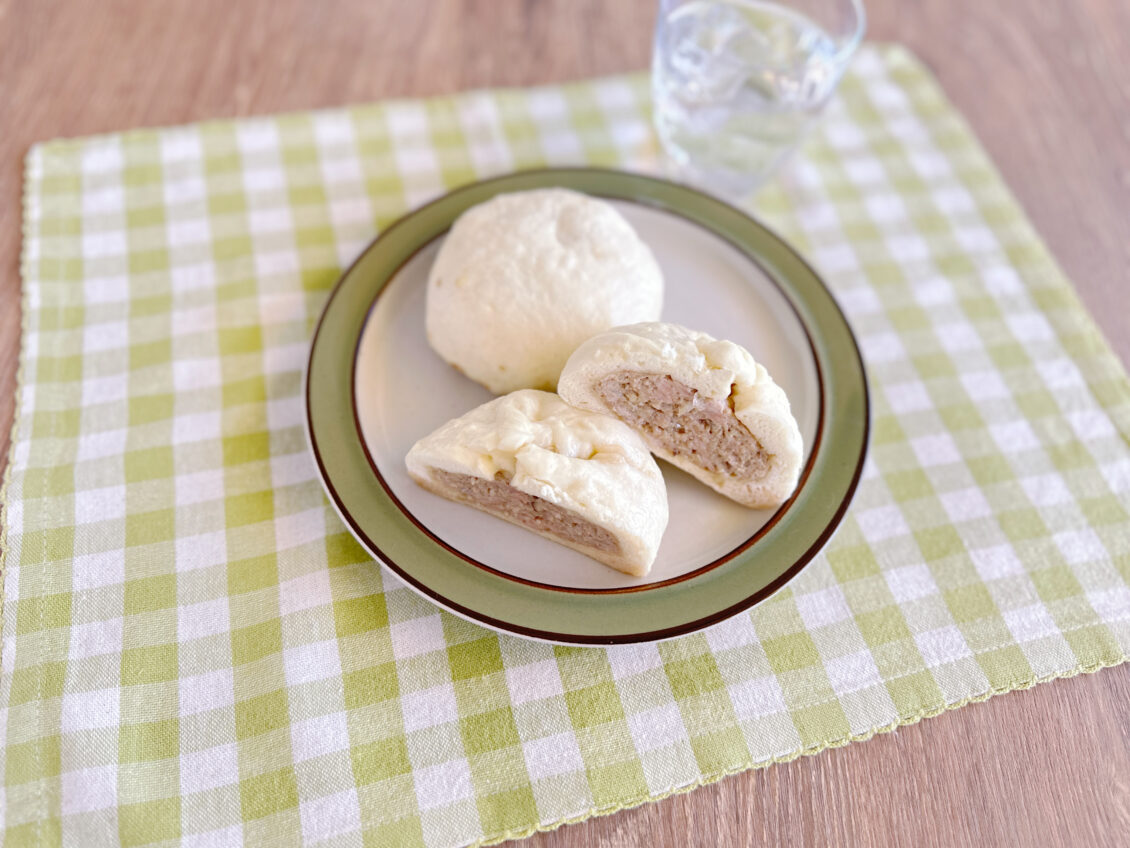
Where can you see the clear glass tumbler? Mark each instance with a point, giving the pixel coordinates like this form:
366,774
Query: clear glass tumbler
737,84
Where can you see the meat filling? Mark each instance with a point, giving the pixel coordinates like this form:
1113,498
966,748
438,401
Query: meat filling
499,497
672,416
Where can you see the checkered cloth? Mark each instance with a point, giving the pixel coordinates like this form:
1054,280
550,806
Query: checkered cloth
195,651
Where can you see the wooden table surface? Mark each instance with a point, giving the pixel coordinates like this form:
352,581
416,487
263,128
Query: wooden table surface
1047,92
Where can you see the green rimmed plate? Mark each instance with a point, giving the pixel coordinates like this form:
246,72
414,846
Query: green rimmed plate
373,386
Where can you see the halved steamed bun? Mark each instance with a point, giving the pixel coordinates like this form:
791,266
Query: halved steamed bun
701,403
578,478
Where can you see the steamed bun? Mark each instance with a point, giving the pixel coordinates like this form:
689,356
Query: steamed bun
523,279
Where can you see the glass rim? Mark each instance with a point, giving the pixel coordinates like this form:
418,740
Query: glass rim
845,44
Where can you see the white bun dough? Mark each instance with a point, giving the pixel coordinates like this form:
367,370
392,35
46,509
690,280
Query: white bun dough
522,279
688,419
592,466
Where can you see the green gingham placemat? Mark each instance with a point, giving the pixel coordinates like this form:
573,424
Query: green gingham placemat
196,652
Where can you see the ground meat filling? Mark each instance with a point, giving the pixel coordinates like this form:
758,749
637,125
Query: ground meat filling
671,415
499,497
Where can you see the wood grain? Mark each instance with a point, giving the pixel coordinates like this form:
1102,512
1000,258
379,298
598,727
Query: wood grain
1043,85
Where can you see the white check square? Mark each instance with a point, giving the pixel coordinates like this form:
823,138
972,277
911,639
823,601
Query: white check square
819,609
911,582
212,690
996,562
312,661
1029,623
92,571
105,504
627,660
534,681
209,769
1081,546
965,505
657,728
319,735
552,755
429,707
330,815
852,672
882,522
89,789
207,618
761,696
88,710
941,646
417,636
443,784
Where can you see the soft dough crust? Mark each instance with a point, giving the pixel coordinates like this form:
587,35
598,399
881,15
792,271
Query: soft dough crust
524,278
592,465
718,371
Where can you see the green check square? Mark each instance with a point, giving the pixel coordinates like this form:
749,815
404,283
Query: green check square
252,643
380,760
475,658
261,714
503,812
51,545
360,615
249,447
152,740
227,203
970,603
153,664
32,760
1021,524
817,725
882,626
253,574
45,612
594,705
34,834
915,693
614,784
250,508
240,392
232,247
266,794
148,594
693,676
371,685
343,549
236,340
720,751
150,408
59,369
489,731
939,542
149,464
1055,583
148,261
150,354
792,652
63,424
908,485
147,528
149,822
405,832
62,317
852,562
36,682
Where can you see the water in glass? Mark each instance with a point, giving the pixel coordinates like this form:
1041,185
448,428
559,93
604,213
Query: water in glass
736,84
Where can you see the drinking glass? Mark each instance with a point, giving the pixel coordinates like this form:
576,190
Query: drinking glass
737,84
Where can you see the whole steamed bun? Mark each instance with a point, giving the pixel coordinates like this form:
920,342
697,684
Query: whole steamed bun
523,279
